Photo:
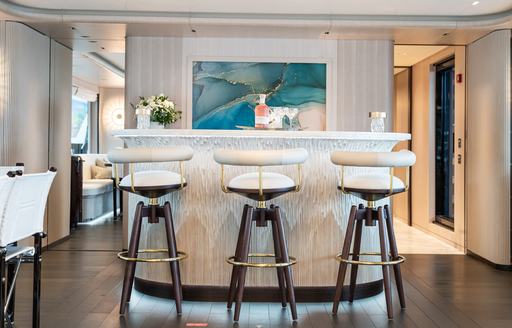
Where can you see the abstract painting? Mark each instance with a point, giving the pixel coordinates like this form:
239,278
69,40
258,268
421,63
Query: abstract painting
224,94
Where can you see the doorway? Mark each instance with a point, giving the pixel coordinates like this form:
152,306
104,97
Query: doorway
433,78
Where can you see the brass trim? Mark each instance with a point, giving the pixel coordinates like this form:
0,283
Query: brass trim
132,178
371,204
261,204
298,184
181,256
393,262
182,171
116,175
231,260
222,184
342,179
153,202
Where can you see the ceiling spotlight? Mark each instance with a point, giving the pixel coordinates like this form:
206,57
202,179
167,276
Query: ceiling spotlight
475,3
446,34
92,41
193,31
327,32
85,36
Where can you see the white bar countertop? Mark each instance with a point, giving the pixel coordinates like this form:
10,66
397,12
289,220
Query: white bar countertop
339,135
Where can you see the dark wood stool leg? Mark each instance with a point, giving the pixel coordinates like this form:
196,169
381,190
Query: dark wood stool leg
173,252
284,254
355,257
384,258
243,258
344,255
238,253
129,271
279,258
114,198
394,255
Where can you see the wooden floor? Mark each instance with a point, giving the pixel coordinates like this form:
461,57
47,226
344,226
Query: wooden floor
82,289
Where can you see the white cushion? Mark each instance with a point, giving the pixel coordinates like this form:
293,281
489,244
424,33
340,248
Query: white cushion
148,155
93,187
402,158
152,179
372,182
261,157
269,181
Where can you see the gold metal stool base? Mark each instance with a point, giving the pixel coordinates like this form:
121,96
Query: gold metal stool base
393,262
231,260
181,256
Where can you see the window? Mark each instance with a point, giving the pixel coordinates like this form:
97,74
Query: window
79,125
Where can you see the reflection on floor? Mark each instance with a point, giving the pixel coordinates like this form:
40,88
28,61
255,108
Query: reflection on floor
98,235
82,289
411,240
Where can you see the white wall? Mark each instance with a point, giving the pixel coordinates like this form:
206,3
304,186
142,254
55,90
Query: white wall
111,117
359,72
35,112
488,147
60,140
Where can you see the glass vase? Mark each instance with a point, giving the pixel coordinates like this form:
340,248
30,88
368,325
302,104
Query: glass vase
143,118
377,123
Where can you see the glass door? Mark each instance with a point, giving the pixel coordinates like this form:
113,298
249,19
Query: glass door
445,143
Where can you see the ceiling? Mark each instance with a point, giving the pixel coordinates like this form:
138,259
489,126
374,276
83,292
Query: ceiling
328,7
409,55
87,70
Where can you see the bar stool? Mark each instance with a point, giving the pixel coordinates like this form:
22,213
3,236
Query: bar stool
261,186
371,187
22,211
151,184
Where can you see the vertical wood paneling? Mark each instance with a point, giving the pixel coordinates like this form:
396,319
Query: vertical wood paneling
401,123
27,57
153,66
365,82
488,147
60,140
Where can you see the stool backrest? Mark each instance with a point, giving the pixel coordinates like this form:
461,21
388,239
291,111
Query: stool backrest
261,157
403,158
23,214
150,155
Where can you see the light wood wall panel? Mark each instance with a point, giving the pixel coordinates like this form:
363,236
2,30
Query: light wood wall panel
488,147
401,123
365,82
60,140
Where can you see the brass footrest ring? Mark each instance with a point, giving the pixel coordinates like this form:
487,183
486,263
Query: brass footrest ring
231,260
123,256
393,262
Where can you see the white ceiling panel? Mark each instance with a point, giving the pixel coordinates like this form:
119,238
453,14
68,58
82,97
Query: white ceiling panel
410,55
87,70
345,7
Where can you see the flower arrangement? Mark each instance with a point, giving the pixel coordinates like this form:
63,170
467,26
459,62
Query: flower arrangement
160,109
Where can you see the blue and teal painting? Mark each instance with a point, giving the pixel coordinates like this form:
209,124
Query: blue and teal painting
224,94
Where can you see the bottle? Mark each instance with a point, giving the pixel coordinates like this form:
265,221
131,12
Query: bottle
261,114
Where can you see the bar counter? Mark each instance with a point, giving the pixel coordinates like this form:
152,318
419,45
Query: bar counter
207,220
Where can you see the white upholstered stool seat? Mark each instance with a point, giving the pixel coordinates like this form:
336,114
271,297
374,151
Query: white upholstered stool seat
152,184
374,182
269,180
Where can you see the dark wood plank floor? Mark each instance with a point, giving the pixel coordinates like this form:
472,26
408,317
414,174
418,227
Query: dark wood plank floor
82,289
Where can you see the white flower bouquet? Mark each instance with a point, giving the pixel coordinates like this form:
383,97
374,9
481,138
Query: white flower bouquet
160,109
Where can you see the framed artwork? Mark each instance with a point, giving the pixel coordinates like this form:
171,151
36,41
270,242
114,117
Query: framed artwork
224,93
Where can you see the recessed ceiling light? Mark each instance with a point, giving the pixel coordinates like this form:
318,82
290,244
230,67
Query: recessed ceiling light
327,32
404,53
475,3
